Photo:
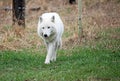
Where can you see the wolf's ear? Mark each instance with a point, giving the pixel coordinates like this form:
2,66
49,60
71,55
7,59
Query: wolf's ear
53,19
41,19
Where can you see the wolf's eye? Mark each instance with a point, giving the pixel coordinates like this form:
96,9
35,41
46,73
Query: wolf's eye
48,27
43,27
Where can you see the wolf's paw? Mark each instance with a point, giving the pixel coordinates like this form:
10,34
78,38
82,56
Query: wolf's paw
53,59
47,62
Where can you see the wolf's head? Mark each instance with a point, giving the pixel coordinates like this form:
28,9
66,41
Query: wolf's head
46,27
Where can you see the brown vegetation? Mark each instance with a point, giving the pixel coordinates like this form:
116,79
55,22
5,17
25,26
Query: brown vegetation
96,15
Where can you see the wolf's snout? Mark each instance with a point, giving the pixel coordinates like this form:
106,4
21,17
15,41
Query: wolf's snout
50,29
45,35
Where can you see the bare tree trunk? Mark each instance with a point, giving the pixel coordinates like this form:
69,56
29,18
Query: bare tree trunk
18,12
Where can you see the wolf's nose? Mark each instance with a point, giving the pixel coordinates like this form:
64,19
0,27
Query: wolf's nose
45,35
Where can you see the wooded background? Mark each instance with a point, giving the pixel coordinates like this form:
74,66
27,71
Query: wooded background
96,16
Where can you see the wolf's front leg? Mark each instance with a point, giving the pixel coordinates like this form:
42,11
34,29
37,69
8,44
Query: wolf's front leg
53,58
49,53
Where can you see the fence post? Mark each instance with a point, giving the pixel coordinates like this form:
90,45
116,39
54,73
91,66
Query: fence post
18,7
79,19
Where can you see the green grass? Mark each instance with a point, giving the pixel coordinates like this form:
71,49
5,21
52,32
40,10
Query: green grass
78,64
97,62
109,38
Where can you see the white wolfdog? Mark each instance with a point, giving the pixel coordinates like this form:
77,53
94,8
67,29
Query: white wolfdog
50,29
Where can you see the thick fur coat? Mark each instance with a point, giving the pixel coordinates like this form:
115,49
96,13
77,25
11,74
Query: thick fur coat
50,29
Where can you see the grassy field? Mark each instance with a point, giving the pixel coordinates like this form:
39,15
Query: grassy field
95,58
99,60
79,64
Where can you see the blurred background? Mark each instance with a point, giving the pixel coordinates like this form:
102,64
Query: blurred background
100,24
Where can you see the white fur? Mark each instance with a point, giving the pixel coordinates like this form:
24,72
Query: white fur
50,29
